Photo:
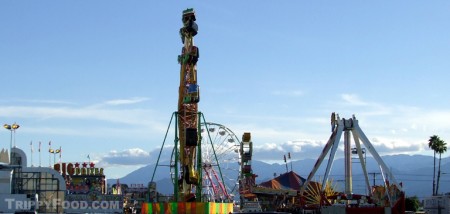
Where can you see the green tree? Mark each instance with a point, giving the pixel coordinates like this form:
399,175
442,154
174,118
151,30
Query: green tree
412,203
441,148
433,144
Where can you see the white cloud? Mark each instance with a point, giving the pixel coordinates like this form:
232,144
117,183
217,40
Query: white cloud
62,102
138,117
299,149
134,156
126,101
353,99
292,93
352,103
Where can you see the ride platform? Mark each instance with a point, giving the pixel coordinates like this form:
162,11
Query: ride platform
186,207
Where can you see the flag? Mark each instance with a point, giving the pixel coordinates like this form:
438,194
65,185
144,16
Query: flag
285,158
289,155
88,157
39,146
60,151
31,145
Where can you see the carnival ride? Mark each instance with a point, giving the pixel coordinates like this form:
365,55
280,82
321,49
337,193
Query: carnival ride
220,160
247,178
390,196
187,115
203,150
220,156
198,184
320,194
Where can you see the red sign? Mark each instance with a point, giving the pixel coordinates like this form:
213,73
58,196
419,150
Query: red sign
75,169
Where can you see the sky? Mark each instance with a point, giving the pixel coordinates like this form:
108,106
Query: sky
100,78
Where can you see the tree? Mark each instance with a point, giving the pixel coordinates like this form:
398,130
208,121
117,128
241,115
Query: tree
433,144
441,148
412,203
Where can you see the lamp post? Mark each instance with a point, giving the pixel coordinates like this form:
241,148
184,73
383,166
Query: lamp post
50,152
439,174
56,151
11,128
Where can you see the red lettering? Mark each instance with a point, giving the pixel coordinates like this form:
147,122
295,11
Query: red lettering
64,168
57,167
70,169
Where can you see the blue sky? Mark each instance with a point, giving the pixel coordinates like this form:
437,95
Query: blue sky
101,77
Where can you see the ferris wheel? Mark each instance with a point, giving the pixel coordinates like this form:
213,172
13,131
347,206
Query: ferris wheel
220,159
220,163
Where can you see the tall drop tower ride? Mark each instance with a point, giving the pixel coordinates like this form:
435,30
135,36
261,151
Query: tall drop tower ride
188,99
186,166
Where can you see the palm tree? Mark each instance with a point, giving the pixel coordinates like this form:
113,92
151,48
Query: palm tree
432,144
442,148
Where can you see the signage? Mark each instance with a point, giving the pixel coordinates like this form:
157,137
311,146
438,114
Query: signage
77,169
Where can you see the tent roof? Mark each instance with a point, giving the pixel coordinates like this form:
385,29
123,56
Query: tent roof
287,181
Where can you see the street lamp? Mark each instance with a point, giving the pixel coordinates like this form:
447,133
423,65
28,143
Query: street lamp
54,152
11,128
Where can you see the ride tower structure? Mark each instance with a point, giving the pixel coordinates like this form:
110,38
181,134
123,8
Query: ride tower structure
194,165
185,163
387,198
187,116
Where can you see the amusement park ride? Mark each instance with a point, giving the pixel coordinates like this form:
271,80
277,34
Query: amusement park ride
202,150
187,114
388,198
322,197
197,177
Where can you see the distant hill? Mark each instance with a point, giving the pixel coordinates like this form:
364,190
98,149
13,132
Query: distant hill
415,172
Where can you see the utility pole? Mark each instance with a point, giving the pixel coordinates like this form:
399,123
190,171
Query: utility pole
287,170
289,157
374,174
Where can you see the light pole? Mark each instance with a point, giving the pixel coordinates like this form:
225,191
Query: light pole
50,151
54,152
439,174
11,128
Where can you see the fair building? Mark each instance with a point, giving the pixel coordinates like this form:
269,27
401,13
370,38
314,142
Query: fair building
29,189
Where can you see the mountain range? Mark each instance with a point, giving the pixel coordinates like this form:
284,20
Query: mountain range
415,172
